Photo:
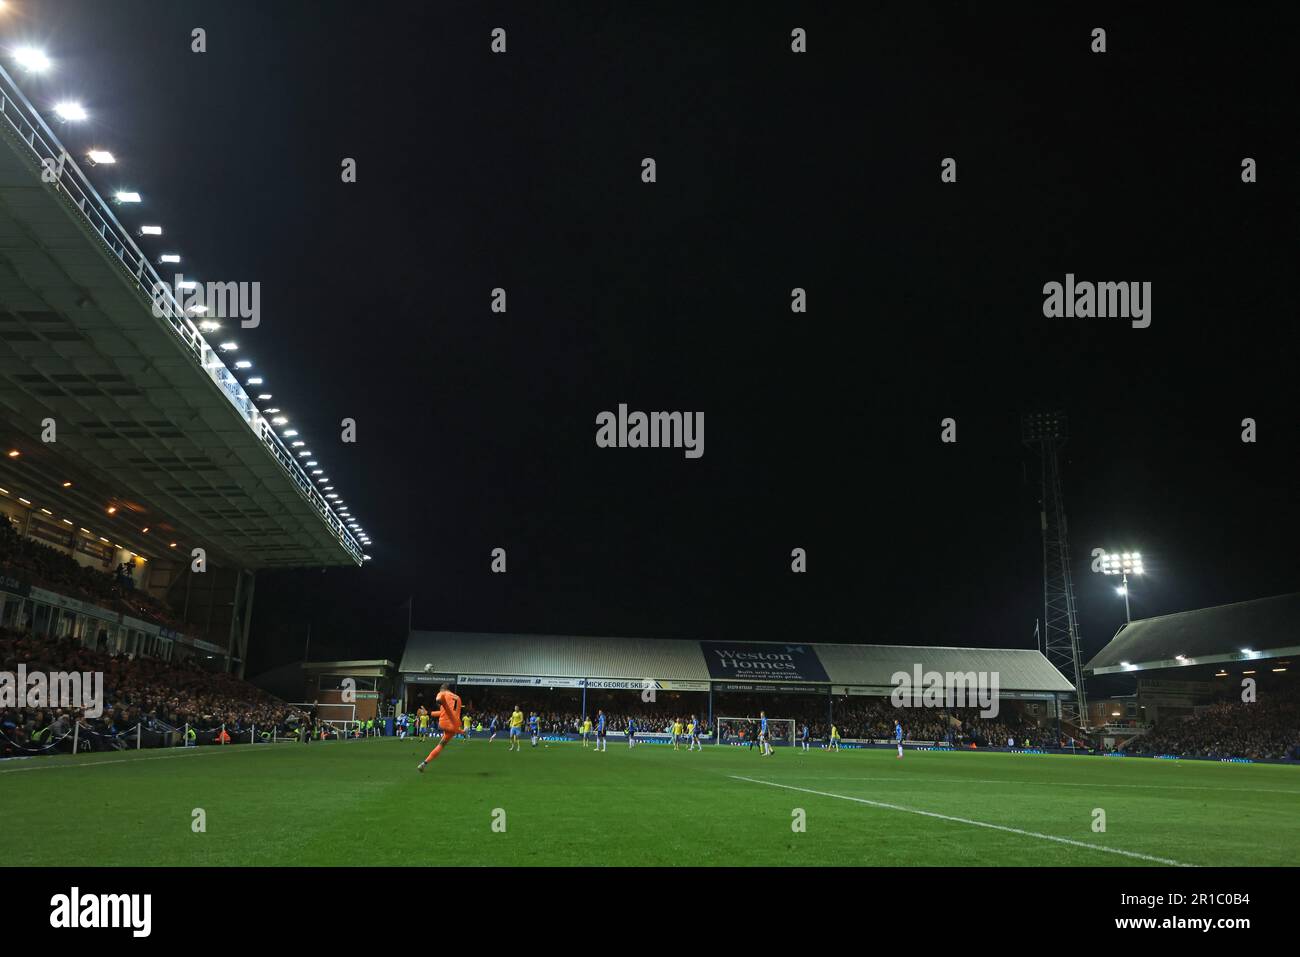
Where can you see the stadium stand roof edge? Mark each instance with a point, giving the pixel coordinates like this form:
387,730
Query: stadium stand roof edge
1239,631
603,657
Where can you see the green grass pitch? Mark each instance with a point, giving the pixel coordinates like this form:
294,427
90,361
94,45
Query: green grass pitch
362,803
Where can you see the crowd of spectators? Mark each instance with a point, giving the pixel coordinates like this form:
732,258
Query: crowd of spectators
44,566
1261,730
854,717
163,698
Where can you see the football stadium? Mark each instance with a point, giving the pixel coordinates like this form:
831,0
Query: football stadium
860,632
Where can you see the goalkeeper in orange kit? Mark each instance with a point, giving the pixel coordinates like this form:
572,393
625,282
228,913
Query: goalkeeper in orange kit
448,716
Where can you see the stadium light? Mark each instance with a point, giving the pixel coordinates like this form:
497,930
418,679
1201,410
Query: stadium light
256,380
209,325
279,420
32,60
150,230
243,364
289,433
70,111
270,411
14,453
199,310
263,396
100,158
127,196
169,258
1122,564
228,346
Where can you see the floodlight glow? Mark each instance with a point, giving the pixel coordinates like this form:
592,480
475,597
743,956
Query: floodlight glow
290,433
32,60
228,346
244,364
199,309
209,325
70,111
150,230
1121,590
187,284
296,444
262,397
101,158
127,196
270,411
280,420
169,258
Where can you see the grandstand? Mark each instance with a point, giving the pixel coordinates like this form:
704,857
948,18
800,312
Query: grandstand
132,445
566,677
1193,669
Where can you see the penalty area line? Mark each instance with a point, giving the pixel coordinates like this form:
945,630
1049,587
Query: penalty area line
965,820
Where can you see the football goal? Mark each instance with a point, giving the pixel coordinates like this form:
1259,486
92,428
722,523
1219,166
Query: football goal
742,730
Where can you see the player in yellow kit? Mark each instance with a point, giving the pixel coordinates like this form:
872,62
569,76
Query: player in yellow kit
677,734
516,729
586,730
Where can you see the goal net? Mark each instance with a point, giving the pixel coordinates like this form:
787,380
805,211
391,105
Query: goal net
780,731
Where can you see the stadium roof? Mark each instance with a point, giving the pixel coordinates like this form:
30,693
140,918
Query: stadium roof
1018,669
684,660
1245,631
146,410
457,652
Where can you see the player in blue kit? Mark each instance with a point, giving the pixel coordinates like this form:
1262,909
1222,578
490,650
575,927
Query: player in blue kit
601,743
696,725
898,736
534,726
803,736
492,728
765,743
631,733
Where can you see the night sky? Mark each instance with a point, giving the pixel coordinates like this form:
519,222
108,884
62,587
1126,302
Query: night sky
775,170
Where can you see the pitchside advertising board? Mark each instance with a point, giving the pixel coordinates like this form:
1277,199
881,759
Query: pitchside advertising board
763,662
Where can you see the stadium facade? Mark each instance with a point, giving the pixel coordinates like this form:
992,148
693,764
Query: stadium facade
1189,660
128,438
585,664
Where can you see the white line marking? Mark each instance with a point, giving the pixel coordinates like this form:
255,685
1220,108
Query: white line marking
964,820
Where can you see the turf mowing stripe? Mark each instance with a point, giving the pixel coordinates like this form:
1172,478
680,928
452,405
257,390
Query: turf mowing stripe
964,820
1061,784
98,764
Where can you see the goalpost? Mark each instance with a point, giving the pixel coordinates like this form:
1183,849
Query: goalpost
780,731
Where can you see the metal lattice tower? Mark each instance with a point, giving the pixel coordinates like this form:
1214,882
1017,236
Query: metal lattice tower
1047,431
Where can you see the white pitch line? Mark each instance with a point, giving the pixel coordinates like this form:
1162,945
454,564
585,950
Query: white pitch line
965,820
